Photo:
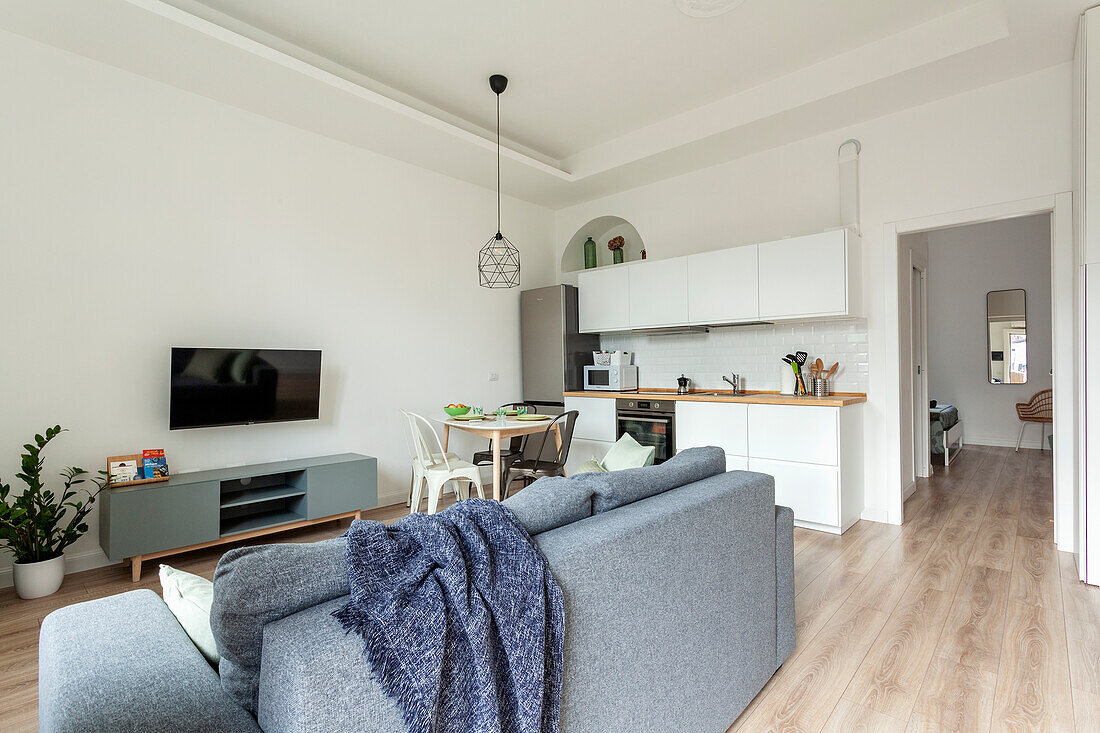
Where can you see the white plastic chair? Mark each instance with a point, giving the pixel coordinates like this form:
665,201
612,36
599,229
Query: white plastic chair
436,468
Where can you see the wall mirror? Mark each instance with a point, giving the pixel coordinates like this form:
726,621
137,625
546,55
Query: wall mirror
1006,336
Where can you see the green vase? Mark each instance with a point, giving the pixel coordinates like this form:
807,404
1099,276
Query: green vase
617,255
589,254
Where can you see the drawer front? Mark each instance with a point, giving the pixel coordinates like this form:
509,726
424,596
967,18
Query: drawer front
162,517
813,492
794,433
596,420
712,423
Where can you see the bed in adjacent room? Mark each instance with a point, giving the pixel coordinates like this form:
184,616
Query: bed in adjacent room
946,432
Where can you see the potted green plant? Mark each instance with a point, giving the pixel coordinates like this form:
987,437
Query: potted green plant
38,525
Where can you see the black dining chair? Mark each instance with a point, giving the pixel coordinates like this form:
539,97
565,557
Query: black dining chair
515,445
535,467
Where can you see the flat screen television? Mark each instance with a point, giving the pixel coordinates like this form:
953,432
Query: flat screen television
212,387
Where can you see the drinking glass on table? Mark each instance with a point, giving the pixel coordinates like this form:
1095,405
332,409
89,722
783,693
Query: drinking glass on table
521,410
501,412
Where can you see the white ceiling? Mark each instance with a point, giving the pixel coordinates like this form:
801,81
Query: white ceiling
604,95
582,72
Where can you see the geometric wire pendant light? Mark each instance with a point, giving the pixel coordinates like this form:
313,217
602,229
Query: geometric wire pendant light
498,260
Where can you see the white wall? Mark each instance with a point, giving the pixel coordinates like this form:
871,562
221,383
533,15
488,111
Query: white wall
134,217
1003,142
964,263
753,353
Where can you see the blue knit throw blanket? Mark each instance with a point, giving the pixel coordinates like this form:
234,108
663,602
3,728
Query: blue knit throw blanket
462,621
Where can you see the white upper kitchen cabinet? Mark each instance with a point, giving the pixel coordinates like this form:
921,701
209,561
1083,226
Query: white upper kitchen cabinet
815,276
659,293
603,299
723,286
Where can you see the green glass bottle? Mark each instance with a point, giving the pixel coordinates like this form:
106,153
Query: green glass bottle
589,254
617,255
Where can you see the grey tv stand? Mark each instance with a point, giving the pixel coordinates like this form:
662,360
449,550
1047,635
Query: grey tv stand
206,508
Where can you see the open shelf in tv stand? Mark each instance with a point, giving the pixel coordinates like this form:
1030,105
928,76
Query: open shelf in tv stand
192,511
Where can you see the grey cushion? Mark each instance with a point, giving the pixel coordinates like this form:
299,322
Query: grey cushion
784,584
315,677
616,488
254,586
123,664
551,502
670,607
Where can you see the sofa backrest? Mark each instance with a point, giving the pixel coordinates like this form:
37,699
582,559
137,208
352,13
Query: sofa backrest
254,586
670,604
555,501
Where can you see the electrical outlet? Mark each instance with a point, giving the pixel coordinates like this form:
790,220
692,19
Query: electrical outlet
493,376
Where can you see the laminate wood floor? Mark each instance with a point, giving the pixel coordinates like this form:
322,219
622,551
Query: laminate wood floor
964,619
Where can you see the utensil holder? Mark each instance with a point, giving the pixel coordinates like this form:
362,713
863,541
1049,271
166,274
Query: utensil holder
819,386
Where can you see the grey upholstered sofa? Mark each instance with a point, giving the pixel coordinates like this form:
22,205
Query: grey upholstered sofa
679,603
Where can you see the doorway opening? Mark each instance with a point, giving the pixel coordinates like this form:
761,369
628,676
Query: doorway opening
980,336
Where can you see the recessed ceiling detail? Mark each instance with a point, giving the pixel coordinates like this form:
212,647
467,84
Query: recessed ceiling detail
389,79
706,8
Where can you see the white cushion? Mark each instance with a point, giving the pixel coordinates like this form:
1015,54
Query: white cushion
189,598
628,453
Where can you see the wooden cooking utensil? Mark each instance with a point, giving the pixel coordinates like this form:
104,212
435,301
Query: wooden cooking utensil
832,370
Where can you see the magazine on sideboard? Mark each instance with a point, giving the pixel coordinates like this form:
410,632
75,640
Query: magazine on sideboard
147,467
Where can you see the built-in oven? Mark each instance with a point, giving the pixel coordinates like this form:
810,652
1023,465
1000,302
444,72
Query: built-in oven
650,421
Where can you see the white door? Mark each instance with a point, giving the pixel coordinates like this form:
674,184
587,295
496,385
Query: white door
658,293
603,299
804,276
918,309
723,286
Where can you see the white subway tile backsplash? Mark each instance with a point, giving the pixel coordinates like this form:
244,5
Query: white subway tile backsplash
751,352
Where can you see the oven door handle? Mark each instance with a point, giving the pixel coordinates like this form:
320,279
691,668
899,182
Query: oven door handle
662,421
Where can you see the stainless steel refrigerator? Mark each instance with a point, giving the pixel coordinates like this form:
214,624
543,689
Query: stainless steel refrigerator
554,352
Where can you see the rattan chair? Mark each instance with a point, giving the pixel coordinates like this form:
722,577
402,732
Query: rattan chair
1040,409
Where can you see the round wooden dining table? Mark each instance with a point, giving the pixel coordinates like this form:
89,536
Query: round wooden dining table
497,430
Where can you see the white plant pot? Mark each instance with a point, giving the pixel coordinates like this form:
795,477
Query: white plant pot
37,579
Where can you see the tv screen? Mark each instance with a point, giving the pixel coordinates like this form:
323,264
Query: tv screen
242,386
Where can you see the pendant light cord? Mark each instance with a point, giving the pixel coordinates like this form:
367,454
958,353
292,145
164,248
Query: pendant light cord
498,165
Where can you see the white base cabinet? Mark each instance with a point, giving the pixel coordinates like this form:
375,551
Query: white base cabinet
580,450
596,420
815,454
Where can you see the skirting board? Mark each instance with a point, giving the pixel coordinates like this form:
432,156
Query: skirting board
73,564
1002,442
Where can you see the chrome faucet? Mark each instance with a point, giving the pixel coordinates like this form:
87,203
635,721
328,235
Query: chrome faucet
735,382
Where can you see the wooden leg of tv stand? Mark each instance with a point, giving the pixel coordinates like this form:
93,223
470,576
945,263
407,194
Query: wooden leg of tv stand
136,560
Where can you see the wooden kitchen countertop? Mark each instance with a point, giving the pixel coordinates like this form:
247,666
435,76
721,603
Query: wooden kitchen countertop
839,399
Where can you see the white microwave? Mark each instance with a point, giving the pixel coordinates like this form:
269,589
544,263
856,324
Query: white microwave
621,378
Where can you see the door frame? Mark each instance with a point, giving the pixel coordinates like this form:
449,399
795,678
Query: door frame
922,438
1068,489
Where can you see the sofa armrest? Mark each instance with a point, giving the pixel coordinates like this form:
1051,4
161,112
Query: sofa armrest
123,663
315,677
784,584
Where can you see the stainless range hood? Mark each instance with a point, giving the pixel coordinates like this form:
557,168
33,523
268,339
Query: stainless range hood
672,330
